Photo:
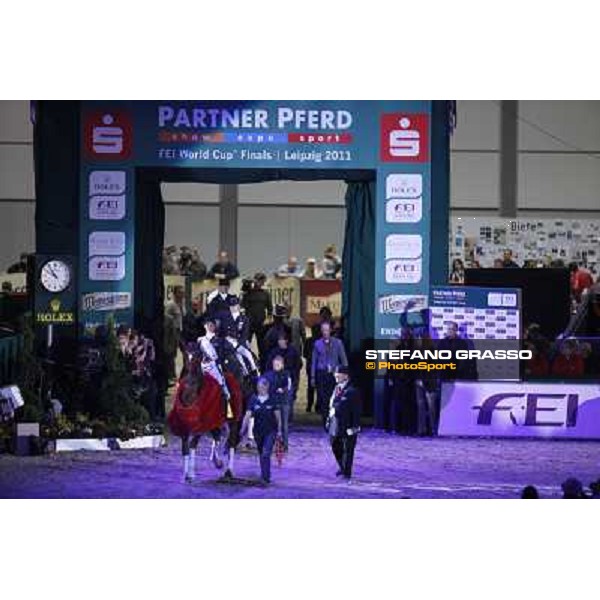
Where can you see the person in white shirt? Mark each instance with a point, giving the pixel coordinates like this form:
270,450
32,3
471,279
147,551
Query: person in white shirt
238,334
210,358
289,269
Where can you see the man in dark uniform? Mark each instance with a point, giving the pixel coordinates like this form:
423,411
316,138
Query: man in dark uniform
238,334
217,304
343,423
257,303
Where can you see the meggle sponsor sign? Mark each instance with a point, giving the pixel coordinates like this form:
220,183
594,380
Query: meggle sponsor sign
105,301
396,304
521,409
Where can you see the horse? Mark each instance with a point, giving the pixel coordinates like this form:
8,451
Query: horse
199,408
241,385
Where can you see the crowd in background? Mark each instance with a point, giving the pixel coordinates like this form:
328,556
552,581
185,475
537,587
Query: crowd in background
188,261
581,278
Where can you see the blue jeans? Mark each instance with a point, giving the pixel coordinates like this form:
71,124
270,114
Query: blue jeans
264,444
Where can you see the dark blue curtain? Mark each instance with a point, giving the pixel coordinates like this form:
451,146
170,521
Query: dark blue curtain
358,291
149,242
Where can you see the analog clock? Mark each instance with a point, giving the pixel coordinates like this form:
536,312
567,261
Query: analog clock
55,276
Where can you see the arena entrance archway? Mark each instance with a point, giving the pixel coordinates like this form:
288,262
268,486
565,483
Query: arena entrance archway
96,162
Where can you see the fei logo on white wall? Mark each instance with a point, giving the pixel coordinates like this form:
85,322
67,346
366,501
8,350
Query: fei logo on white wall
403,271
403,246
404,198
107,195
107,208
106,242
106,268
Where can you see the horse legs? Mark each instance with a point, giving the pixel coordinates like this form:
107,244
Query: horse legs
215,449
231,444
188,451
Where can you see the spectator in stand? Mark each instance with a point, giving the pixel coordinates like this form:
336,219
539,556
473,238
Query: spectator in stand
311,271
190,263
198,269
587,355
507,260
170,262
328,355
498,264
21,266
257,304
539,366
223,268
581,280
289,269
569,363
185,260
457,274
332,263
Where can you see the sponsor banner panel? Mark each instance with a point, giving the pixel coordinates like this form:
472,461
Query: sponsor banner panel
520,409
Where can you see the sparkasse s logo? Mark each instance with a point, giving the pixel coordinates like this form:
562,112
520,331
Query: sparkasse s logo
108,135
405,137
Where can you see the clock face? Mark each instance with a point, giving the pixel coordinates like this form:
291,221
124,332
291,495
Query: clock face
55,276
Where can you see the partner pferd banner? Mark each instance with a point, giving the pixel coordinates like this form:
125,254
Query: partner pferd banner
394,145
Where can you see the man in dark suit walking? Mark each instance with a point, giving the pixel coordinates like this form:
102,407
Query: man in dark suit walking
343,423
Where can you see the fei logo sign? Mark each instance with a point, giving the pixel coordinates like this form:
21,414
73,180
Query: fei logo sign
521,409
108,135
405,137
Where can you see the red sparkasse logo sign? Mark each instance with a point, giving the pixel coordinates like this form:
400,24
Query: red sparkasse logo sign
108,135
405,137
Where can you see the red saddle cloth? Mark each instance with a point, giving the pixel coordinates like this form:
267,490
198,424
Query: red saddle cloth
206,412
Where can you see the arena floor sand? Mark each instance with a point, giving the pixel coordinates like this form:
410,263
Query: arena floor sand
386,466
